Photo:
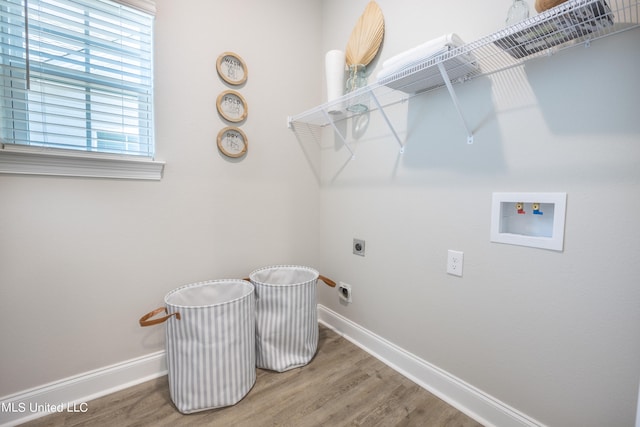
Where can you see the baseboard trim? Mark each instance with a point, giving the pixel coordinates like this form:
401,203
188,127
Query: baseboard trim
72,394
480,406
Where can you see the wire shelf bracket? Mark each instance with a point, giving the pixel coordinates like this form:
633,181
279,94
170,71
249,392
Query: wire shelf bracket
337,131
386,119
454,98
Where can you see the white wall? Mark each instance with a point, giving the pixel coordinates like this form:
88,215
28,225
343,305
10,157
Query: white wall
553,334
82,259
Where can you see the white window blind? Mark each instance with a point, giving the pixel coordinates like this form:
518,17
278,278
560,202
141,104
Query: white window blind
77,74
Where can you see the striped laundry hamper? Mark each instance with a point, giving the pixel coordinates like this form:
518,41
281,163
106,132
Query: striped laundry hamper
286,316
210,343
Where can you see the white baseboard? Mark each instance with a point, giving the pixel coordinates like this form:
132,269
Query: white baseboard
72,394
480,406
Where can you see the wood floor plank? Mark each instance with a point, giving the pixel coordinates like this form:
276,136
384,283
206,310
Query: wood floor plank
341,386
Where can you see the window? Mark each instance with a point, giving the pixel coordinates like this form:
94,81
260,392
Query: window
76,76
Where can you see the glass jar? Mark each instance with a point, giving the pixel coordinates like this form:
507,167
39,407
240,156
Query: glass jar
357,80
519,11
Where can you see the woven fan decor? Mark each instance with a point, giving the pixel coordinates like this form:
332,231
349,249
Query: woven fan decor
366,36
542,5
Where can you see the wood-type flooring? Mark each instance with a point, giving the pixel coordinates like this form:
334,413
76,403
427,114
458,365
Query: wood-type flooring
342,386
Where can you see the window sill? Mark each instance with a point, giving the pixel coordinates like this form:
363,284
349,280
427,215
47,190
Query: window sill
26,160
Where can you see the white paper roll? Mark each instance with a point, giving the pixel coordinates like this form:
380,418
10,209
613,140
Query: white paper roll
334,71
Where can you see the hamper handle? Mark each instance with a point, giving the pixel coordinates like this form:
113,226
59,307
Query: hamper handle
144,320
328,281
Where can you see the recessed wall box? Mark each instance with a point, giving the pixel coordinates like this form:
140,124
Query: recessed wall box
529,219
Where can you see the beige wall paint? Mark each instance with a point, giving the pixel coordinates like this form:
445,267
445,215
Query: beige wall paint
82,259
553,334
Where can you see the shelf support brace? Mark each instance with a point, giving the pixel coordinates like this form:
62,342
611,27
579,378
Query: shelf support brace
386,119
454,98
335,128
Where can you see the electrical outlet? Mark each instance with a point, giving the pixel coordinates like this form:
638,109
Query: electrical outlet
358,247
344,291
455,261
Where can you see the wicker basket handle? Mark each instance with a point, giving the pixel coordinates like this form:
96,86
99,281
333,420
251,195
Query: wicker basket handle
144,320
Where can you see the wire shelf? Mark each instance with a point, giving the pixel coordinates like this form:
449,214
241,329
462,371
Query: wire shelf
568,24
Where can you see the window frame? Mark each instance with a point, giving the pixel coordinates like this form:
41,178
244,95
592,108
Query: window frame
30,160
38,160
